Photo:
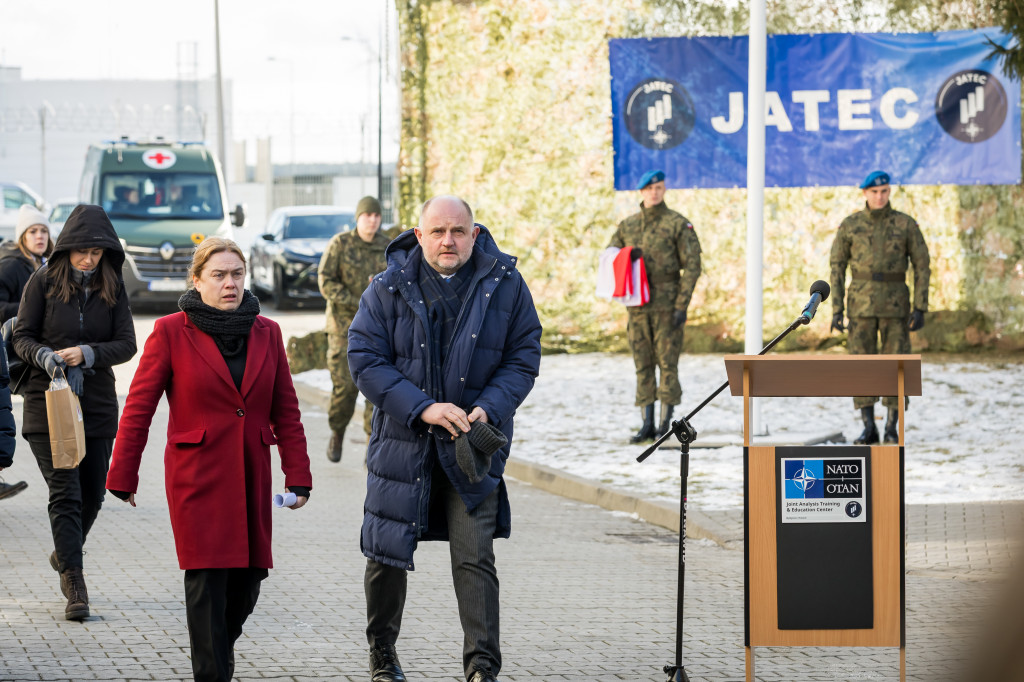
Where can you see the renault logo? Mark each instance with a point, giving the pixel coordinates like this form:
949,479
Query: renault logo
167,251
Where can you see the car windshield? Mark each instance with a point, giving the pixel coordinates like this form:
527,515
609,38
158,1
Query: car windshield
61,212
322,226
162,195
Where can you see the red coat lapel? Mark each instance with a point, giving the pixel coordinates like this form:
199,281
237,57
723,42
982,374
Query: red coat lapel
256,355
206,348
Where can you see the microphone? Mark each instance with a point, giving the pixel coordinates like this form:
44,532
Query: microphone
819,292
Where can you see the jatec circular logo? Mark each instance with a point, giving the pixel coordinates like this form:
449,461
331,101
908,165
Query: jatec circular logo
659,114
971,105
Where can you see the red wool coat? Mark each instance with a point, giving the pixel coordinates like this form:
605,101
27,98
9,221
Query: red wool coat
217,460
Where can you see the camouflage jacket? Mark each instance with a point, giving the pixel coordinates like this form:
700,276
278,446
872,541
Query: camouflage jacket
346,268
877,245
670,245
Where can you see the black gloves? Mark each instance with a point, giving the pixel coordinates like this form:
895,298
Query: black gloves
678,319
636,252
837,323
49,361
916,320
76,380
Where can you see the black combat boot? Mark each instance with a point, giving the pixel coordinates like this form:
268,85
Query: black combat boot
384,665
11,489
334,447
78,596
646,431
666,420
892,426
870,434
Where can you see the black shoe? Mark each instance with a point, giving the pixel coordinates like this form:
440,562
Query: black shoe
482,676
384,665
869,436
892,426
78,596
646,431
334,447
11,489
666,420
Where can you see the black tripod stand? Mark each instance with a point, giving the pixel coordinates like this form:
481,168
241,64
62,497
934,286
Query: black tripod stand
686,434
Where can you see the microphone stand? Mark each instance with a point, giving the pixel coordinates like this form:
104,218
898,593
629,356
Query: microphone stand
686,434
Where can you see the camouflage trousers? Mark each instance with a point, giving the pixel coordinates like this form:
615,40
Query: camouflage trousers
655,345
862,339
343,390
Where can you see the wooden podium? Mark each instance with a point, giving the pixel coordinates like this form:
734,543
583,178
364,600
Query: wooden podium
824,540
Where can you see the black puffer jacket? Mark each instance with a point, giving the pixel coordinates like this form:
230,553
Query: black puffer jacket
15,269
47,322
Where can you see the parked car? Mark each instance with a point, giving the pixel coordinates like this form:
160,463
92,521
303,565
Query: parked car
14,194
284,261
61,210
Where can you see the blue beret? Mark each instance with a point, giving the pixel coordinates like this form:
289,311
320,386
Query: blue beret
875,179
649,177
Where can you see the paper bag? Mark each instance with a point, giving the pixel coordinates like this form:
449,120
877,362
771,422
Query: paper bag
67,431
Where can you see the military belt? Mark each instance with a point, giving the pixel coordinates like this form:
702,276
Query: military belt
880,276
662,279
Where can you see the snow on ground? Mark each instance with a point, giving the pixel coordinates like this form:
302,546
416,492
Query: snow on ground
961,436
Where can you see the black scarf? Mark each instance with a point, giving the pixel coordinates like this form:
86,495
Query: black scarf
444,299
229,328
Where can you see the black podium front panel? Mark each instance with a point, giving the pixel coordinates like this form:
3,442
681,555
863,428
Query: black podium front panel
823,537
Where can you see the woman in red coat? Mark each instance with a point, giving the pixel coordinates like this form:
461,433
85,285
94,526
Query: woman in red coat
230,393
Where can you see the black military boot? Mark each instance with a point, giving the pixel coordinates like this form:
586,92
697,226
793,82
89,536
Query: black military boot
78,596
892,426
666,420
870,434
646,431
384,665
334,447
11,489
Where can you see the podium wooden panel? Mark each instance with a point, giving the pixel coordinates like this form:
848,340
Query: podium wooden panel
816,376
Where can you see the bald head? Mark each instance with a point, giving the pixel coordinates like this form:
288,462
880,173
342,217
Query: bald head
446,233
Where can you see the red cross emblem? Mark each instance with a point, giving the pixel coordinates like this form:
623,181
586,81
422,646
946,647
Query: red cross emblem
159,158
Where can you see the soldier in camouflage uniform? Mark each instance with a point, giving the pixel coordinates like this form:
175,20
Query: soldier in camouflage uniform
668,244
351,259
877,243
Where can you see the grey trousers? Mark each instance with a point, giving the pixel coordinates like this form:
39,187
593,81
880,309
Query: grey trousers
471,545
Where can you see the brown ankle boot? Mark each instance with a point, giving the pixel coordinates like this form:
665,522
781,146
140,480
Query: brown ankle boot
78,596
334,447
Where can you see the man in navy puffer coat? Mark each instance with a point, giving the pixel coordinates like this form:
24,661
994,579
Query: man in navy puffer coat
446,336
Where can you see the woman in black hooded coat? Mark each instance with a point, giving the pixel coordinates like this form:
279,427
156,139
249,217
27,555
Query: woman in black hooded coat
74,315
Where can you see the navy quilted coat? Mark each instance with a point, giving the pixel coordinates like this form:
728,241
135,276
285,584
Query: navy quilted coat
492,363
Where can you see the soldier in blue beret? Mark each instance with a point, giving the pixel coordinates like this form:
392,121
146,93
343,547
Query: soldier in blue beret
879,244
670,250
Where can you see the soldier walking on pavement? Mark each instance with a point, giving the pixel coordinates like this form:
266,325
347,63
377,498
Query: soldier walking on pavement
349,263
877,243
668,244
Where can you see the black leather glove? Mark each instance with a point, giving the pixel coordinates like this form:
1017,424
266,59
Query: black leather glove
76,380
635,253
916,320
837,322
678,319
49,361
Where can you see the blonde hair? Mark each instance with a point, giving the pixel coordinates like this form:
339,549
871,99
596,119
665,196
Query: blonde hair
206,249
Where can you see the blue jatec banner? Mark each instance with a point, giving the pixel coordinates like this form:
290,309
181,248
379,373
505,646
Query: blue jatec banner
929,108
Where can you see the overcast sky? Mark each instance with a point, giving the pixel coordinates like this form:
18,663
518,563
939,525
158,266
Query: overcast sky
318,56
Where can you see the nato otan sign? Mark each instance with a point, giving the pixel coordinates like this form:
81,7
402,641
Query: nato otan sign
929,108
827,490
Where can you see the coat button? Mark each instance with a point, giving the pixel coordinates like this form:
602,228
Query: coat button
240,412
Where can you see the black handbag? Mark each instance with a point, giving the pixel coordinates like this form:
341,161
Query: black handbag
16,367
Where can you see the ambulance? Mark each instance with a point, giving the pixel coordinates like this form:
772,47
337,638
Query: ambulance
163,199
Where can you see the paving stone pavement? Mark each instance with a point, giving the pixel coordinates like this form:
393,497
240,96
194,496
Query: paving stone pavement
588,594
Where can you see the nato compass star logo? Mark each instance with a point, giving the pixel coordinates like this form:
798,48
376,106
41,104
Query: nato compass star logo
659,113
971,105
804,479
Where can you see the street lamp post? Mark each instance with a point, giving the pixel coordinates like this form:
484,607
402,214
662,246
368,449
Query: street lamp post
380,105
